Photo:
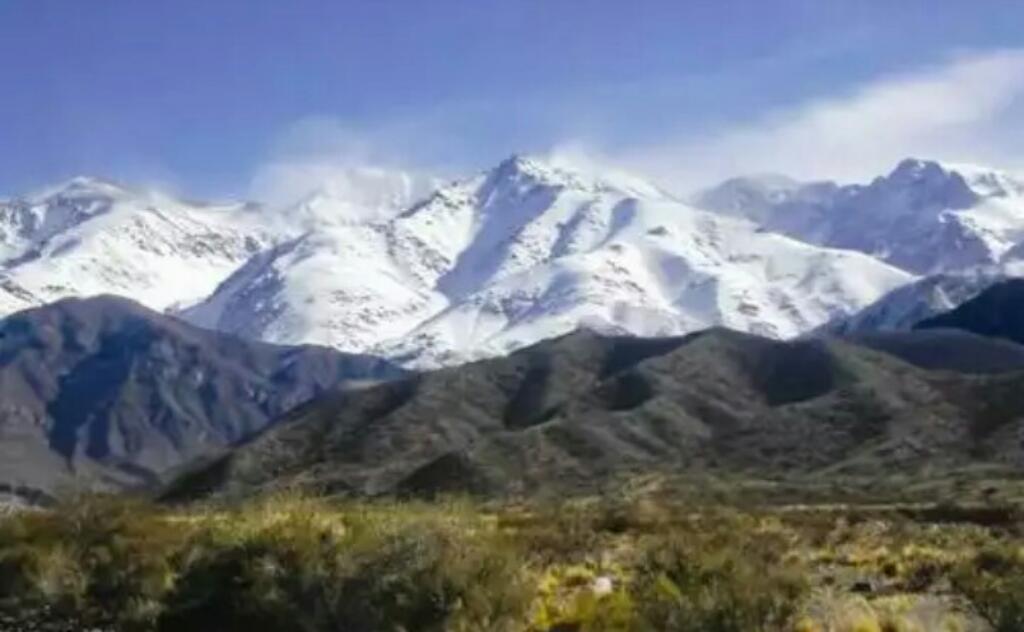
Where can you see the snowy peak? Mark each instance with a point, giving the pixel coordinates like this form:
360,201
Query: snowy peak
520,173
924,216
524,211
27,223
530,171
520,177
949,185
924,185
755,197
532,249
914,170
989,183
90,236
78,188
518,167
982,181
397,265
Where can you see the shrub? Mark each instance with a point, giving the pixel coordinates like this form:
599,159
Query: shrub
993,581
102,558
303,572
295,563
708,584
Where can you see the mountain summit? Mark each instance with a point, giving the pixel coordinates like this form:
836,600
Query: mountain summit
925,216
529,250
427,274
89,236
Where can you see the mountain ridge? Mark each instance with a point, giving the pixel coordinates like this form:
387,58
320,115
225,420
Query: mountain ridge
529,250
996,312
105,393
925,216
89,236
904,307
577,411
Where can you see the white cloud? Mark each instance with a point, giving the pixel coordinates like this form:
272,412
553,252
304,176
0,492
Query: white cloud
373,188
957,111
368,167
969,109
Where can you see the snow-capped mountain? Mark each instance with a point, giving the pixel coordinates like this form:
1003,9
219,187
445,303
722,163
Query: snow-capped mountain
530,250
906,306
89,236
925,217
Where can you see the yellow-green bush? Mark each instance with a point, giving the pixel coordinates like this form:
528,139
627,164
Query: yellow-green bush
290,562
282,564
96,556
993,581
732,584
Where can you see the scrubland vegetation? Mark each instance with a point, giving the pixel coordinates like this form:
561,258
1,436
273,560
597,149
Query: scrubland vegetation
293,562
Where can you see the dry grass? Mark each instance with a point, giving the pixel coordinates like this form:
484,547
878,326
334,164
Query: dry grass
290,562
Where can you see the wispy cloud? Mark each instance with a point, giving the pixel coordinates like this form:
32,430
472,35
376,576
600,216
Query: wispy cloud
368,165
970,108
965,109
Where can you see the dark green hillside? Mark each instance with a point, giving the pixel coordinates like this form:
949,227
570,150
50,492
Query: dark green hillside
578,411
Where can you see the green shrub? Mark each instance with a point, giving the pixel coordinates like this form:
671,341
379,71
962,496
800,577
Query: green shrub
412,582
294,563
102,558
993,581
694,584
360,571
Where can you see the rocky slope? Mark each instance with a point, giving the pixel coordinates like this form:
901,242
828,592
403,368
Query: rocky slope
997,312
902,308
103,392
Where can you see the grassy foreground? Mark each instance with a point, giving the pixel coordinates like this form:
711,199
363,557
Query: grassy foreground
290,562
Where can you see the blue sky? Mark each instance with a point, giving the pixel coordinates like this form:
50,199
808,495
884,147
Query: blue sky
210,97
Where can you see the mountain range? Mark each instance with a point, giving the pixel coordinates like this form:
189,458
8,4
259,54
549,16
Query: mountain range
580,411
924,217
525,251
89,236
499,270
528,251
482,266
